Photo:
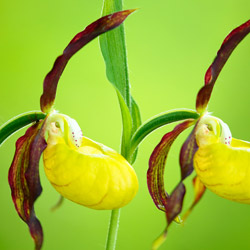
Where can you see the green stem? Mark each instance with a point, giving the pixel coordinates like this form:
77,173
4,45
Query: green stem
115,214
113,229
18,122
158,121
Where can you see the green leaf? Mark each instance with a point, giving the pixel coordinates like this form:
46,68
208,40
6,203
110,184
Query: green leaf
115,56
126,124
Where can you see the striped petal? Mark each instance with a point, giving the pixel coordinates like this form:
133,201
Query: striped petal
24,178
157,161
170,204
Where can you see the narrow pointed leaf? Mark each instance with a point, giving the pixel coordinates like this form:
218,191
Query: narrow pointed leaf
157,161
227,47
188,150
95,29
136,122
127,124
115,55
24,178
114,52
199,190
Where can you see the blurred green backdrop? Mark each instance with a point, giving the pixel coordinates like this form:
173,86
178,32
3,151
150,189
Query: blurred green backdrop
170,45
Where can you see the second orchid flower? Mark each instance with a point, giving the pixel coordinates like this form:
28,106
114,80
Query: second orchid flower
220,161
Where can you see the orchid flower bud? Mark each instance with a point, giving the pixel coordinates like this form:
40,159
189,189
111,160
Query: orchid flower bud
84,171
221,162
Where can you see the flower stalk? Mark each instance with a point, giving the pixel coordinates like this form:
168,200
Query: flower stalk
18,122
113,229
158,121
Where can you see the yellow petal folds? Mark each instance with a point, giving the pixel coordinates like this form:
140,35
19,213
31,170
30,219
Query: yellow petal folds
222,163
84,171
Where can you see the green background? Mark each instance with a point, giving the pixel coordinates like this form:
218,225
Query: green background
170,45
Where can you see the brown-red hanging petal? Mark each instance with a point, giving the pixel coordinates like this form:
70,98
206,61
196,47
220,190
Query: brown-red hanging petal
157,161
188,150
174,207
227,47
175,201
24,178
95,29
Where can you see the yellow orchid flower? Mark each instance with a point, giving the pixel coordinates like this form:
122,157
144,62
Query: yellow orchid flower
220,161
84,171
81,170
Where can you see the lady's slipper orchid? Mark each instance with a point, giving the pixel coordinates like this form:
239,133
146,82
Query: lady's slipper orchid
85,171
219,160
80,169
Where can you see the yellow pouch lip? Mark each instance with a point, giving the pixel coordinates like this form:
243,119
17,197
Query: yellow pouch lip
236,143
90,173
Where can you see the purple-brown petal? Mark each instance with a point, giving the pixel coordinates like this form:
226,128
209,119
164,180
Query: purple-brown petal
95,29
174,207
227,47
155,174
188,150
199,190
24,178
175,201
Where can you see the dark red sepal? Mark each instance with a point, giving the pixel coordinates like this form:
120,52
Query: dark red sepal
24,178
95,29
175,201
188,150
174,207
155,174
227,47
